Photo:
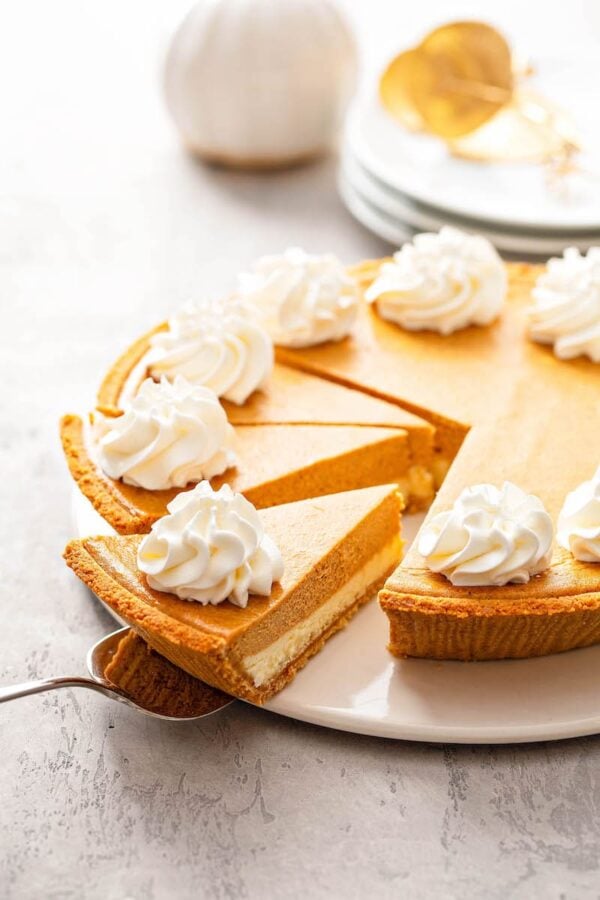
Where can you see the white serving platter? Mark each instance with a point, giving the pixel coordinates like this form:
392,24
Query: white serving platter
355,685
510,194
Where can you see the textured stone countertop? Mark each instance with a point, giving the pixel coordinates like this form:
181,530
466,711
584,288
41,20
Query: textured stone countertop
104,227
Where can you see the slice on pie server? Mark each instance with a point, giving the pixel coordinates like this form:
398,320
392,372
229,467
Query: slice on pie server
337,552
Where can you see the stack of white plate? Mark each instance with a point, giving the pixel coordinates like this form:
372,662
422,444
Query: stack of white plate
397,183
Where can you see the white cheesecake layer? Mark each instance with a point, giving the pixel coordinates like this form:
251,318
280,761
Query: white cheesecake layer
269,662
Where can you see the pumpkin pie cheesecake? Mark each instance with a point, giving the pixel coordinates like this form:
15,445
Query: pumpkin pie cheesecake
505,407
242,599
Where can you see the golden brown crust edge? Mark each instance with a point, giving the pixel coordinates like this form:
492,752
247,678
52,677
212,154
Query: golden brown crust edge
427,629
109,393
92,485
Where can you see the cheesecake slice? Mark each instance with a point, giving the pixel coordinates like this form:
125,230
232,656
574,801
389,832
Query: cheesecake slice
276,464
337,552
292,397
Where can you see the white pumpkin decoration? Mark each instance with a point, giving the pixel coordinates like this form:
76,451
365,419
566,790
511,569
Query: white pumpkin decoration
260,82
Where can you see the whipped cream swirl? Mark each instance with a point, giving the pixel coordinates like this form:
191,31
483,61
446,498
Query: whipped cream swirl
209,548
579,521
441,282
171,434
219,345
567,305
304,300
491,536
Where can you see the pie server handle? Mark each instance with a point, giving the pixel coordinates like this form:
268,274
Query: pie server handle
14,691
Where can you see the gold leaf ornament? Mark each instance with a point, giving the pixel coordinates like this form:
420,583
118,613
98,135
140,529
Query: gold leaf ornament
453,82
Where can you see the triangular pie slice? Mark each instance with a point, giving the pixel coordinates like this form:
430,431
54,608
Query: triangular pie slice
276,464
529,418
295,398
337,552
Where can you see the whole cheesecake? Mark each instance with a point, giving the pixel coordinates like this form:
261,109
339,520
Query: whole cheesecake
481,405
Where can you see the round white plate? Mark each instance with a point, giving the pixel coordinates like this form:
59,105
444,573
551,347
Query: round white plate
511,194
404,211
354,684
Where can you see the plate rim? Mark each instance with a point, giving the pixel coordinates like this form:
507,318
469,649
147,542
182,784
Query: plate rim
349,160
438,734
383,224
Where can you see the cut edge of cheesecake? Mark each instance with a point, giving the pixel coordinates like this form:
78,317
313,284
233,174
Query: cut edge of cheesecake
359,457
330,579
448,434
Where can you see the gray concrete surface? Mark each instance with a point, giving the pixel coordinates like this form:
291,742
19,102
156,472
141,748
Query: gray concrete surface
104,227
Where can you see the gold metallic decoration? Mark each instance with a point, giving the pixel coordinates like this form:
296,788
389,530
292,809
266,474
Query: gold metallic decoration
473,62
460,84
528,129
458,77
